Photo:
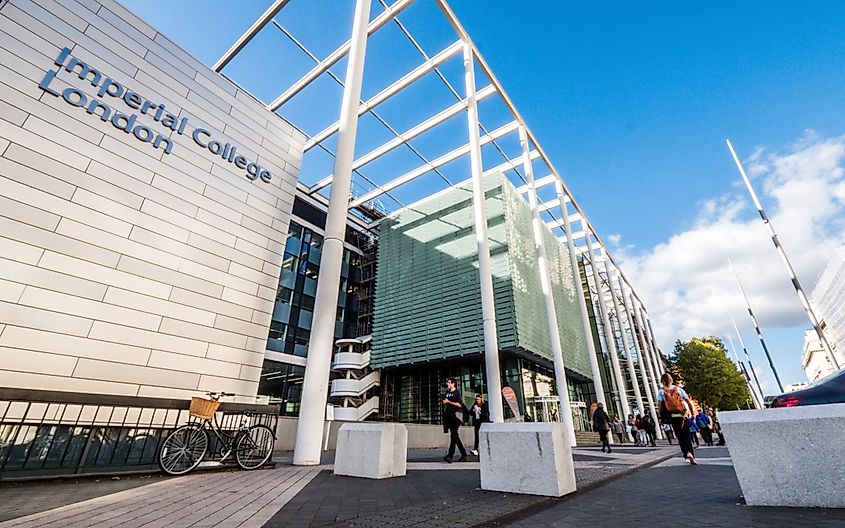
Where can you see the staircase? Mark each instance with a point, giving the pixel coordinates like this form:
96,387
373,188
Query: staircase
354,383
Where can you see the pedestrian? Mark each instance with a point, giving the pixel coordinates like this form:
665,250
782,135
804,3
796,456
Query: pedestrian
642,439
619,430
601,423
693,429
650,429
480,413
703,422
675,406
667,430
632,429
453,417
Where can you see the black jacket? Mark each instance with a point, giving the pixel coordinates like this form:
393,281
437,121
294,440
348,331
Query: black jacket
601,422
485,413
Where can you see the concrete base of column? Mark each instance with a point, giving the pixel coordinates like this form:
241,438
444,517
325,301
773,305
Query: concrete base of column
531,458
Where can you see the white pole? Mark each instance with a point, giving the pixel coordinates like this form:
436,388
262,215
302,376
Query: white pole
655,353
609,336
756,327
745,376
545,284
579,296
652,374
789,270
630,362
641,356
485,268
748,358
312,410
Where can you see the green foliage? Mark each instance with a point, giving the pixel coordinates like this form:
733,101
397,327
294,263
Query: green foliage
708,375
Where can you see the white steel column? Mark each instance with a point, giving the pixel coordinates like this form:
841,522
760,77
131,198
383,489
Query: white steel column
655,359
640,356
548,298
312,409
647,359
610,338
579,295
485,268
630,362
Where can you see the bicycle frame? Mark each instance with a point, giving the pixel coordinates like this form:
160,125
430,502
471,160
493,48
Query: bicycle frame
226,442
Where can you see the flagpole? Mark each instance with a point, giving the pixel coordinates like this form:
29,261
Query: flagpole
748,358
757,327
792,276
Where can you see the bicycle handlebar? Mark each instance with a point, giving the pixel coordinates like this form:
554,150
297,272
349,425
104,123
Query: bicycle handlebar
218,395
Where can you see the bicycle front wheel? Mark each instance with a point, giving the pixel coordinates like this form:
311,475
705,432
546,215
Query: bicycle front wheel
254,448
183,449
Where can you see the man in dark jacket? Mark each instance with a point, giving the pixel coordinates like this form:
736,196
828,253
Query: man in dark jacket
650,429
480,413
453,417
601,424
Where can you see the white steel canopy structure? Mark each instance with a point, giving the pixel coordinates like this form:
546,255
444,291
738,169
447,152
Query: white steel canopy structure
495,138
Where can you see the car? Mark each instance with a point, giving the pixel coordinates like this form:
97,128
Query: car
830,389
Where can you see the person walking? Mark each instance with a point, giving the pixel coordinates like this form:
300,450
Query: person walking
601,424
642,439
667,430
632,429
675,406
480,413
453,417
650,429
703,422
693,429
619,430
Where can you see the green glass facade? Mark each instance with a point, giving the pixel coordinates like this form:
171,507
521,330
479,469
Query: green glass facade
428,303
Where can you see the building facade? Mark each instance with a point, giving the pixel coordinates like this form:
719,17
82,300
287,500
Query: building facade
145,210
157,242
828,299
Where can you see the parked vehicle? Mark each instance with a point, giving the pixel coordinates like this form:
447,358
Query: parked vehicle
830,389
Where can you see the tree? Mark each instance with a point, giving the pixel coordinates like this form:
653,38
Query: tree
708,375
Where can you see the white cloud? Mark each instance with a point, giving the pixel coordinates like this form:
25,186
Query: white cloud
686,282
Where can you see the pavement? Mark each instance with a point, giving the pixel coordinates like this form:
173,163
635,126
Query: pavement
656,484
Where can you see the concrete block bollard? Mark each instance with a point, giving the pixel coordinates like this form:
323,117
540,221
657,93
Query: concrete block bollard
371,450
790,456
531,458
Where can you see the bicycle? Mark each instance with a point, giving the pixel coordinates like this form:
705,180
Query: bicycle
186,446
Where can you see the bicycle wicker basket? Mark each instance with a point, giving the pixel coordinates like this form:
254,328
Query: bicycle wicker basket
203,408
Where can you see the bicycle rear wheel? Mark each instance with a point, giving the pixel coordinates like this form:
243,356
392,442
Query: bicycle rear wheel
183,449
254,448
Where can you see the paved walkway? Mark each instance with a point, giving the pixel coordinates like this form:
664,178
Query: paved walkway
673,493
293,496
655,484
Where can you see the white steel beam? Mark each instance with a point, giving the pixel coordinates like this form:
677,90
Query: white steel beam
548,298
338,54
485,265
408,79
312,410
542,182
442,160
403,138
253,30
620,319
582,302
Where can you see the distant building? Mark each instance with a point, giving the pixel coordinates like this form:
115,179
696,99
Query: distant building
828,299
814,361
794,387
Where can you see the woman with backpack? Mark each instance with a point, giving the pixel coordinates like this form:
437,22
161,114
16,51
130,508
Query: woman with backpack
675,405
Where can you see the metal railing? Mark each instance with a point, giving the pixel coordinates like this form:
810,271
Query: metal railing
51,433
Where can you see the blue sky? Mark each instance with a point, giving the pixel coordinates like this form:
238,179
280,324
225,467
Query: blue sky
633,104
